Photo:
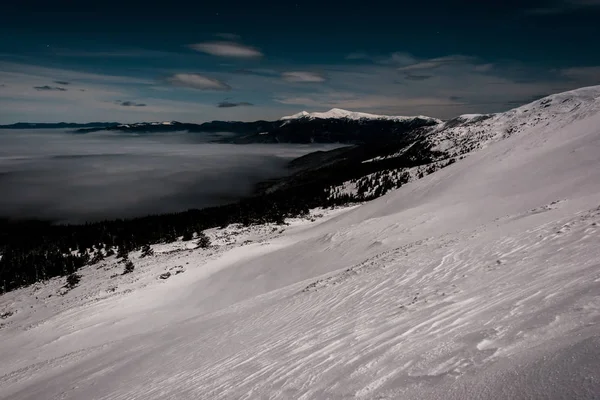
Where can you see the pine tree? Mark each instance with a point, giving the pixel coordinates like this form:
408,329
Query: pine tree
203,241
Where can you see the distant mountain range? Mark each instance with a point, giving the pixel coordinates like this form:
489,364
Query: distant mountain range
333,126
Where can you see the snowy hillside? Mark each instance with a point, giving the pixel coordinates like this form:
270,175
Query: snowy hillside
478,281
338,113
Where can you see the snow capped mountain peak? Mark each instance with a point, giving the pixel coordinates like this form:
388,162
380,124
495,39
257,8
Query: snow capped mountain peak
301,114
154,123
338,113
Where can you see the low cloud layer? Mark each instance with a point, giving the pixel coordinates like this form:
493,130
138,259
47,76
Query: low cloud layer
197,81
227,49
303,77
74,178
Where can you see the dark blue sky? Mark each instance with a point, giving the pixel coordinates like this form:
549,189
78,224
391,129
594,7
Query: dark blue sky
132,61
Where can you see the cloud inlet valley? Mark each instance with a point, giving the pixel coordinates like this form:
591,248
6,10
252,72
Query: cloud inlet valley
76,178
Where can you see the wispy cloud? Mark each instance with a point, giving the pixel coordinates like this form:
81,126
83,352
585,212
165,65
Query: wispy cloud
227,49
438,62
46,87
69,75
229,104
197,81
398,58
416,77
120,53
303,77
582,74
257,72
93,99
442,87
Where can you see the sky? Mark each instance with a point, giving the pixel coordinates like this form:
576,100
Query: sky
131,61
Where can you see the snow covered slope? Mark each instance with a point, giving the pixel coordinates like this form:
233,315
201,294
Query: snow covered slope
338,113
480,281
463,135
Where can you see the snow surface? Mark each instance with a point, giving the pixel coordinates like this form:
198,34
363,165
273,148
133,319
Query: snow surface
338,113
480,281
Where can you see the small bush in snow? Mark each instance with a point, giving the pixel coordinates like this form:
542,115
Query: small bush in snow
147,251
129,267
122,252
73,280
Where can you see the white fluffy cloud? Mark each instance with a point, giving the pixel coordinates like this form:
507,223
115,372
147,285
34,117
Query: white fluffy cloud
227,49
197,81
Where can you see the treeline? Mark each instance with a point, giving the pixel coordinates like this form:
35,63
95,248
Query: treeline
32,251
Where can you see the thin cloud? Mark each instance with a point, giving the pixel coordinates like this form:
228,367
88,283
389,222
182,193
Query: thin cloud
583,74
303,77
124,53
197,81
50,88
438,62
228,104
398,58
416,77
227,49
35,71
64,83
484,67
256,72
